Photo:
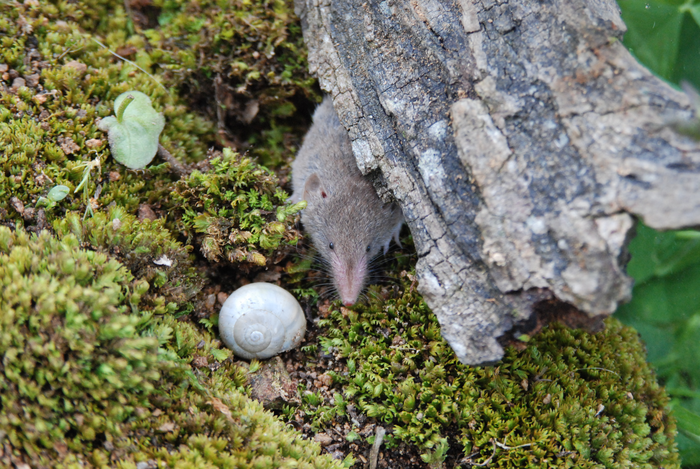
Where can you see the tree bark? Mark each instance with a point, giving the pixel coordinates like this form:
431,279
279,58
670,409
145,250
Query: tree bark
520,140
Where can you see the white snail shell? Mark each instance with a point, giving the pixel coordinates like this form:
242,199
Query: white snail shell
261,320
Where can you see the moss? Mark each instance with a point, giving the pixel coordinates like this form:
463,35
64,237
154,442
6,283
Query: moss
568,399
145,247
250,57
218,426
49,125
92,378
74,364
235,210
58,81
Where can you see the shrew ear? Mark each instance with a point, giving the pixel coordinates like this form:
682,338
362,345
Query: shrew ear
313,188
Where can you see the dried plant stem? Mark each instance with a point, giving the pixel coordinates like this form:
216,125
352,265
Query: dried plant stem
177,167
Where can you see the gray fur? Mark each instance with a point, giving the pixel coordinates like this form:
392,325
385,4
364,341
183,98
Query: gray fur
342,206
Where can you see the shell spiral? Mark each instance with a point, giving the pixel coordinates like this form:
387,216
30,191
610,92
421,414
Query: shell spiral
261,320
255,330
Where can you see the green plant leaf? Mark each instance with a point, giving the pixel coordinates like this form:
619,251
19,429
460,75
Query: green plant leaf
695,13
58,193
688,421
220,354
134,132
653,30
665,310
687,63
657,254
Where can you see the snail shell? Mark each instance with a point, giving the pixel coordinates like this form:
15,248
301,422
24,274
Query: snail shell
261,320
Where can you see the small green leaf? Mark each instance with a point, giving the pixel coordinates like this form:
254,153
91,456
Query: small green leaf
660,254
284,211
695,13
688,422
133,134
220,354
254,366
44,202
653,33
58,193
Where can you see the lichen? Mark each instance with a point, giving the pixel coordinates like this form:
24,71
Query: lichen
235,210
566,399
91,377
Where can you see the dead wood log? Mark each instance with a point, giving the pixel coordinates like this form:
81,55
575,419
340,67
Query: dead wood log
520,139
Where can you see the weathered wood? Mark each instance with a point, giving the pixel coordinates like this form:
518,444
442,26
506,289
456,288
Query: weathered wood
519,139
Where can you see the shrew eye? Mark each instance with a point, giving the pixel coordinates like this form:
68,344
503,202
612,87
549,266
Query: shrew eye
331,245
368,247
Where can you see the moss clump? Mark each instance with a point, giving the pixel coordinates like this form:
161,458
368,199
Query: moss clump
74,365
145,247
249,56
235,210
57,82
569,399
217,425
91,378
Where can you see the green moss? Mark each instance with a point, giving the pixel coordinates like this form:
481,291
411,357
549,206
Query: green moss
569,399
49,125
74,364
235,210
255,50
218,426
70,81
91,377
145,247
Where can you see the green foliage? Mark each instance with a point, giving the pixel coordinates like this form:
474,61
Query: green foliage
48,127
665,309
569,399
665,36
55,195
92,376
134,130
235,210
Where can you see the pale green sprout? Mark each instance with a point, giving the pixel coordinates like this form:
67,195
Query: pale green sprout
87,168
134,132
55,195
254,366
